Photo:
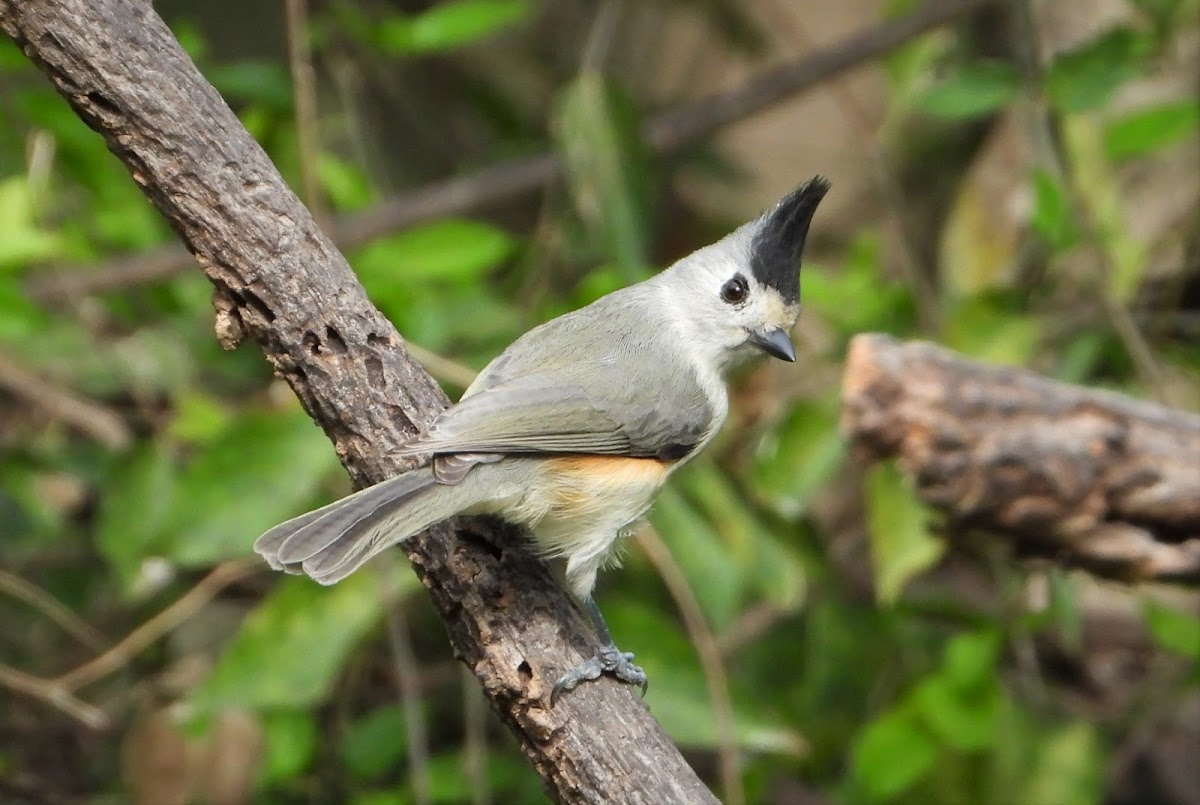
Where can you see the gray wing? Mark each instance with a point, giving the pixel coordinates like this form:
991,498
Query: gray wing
586,382
569,413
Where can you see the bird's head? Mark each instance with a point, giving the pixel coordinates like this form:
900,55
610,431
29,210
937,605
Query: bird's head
741,295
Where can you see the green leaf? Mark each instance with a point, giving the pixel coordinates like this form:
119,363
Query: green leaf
449,250
1128,252
291,744
199,418
12,60
891,755
724,547
700,553
779,575
1172,630
375,745
135,503
289,649
23,241
607,168
454,320
1064,611
1087,77
191,38
259,472
1164,9
690,722
449,25
20,318
1069,767
970,659
712,492
859,296
901,545
1161,13
748,549
253,81
1079,358
973,91
379,798
796,458
25,511
908,66
984,328
600,281
964,720
841,672
449,784
1053,217
1151,128
681,702
348,187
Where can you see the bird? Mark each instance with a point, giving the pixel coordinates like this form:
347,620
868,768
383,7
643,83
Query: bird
571,431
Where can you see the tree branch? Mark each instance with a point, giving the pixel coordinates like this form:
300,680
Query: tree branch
279,281
666,132
1088,477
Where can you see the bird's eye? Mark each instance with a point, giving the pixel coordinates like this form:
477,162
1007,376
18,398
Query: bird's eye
735,290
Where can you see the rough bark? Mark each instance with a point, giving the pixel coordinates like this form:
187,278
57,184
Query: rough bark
1088,477
280,282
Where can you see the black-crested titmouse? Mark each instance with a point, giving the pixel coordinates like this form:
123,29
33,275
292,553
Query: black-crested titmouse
572,430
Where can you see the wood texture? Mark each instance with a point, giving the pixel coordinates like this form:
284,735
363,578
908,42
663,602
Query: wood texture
281,283
1087,477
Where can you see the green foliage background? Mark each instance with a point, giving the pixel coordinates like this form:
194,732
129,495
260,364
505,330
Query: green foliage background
866,659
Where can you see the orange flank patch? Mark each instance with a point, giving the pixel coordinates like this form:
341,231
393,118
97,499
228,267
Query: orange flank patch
584,481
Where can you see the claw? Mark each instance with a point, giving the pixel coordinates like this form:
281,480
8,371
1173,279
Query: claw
607,660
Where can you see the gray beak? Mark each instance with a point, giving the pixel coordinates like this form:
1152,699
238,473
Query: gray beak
775,343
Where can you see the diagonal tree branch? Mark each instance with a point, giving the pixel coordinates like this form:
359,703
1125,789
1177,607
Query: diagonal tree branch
665,132
280,282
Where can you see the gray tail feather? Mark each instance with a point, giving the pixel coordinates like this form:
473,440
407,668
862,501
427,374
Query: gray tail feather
331,542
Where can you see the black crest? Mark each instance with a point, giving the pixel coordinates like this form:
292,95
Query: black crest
779,239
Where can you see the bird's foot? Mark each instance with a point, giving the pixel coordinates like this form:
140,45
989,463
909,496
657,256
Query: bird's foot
607,660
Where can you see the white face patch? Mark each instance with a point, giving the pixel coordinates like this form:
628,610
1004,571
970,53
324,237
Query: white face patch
774,312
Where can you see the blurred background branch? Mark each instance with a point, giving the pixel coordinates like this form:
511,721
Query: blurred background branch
1087,478
666,132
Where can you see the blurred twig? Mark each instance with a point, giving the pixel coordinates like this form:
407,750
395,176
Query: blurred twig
924,291
665,132
729,763
1134,340
59,692
54,695
407,674
1055,148
692,121
748,627
52,608
187,605
443,368
600,37
475,758
304,99
88,416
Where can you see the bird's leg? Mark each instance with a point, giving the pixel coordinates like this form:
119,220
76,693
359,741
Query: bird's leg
608,659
